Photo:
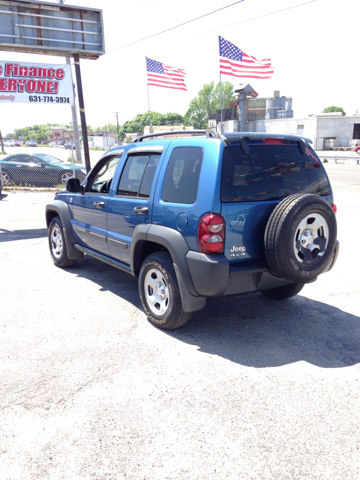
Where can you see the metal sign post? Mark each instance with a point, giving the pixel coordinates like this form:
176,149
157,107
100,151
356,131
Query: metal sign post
82,112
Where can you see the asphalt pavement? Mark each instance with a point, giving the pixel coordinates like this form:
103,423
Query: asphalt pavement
249,389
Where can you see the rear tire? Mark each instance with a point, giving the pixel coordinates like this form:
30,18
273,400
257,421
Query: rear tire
57,244
284,292
159,292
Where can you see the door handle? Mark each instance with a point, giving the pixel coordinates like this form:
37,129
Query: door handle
99,205
141,210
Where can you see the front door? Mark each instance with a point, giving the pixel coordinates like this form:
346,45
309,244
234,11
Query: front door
89,209
132,203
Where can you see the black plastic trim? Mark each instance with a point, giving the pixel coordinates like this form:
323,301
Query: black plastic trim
62,210
104,258
190,303
169,238
147,149
208,133
209,273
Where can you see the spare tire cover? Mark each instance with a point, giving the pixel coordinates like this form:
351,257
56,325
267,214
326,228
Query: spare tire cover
300,237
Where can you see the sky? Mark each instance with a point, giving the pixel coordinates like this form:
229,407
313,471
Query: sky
312,45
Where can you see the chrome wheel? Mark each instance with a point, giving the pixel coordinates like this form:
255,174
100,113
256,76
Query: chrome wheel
5,179
311,239
65,177
156,292
56,242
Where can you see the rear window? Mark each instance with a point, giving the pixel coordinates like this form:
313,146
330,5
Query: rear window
270,172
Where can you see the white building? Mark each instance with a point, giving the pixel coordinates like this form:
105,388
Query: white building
325,130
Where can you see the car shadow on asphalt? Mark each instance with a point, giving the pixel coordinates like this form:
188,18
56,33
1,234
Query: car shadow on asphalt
11,235
252,330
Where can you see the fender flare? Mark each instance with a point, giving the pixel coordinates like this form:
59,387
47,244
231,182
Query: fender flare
169,238
62,210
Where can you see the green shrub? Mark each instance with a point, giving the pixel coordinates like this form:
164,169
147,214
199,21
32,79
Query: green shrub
325,160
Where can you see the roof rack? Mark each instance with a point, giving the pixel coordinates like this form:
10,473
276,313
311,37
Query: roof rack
208,133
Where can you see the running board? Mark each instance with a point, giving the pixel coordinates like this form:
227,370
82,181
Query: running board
104,258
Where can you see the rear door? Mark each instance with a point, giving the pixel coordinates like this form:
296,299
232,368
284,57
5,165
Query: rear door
132,202
89,209
252,185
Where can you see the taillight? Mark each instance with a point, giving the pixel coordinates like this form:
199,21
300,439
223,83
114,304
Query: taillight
334,207
211,234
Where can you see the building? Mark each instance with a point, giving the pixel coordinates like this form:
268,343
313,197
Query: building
95,139
275,115
325,130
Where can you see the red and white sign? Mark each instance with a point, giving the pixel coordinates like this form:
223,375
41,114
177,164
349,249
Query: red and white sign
36,83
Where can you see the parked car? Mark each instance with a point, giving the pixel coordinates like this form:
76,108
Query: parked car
30,143
9,143
17,143
357,150
38,169
201,216
69,145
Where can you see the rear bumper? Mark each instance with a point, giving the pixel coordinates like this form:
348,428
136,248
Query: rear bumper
213,276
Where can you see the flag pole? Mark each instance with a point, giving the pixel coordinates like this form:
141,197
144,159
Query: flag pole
221,108
221,112
147,83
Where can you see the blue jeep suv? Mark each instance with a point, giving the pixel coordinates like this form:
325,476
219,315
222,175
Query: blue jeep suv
194,215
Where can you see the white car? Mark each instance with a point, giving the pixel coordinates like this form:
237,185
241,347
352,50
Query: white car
9,143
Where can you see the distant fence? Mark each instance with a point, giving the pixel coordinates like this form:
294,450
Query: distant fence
41,171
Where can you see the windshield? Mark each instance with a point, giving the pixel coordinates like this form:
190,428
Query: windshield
270,172
48,159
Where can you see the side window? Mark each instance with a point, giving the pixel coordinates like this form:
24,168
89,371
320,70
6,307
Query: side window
137,177
182,175
22,158
101,181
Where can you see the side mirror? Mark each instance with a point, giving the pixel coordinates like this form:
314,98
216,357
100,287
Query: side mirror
73,185
42,165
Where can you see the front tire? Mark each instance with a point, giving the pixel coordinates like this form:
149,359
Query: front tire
284,292
5,178
64,177
159,292
57,244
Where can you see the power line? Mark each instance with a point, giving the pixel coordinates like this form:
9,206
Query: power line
251,19
176,26
216,29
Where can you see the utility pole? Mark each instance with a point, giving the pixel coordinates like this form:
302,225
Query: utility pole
74,118
117,121
2,143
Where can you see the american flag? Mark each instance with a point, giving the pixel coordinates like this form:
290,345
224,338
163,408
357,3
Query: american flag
161,75
237,63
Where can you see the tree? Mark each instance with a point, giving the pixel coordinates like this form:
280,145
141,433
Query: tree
332,109
196,116
141,120
207,102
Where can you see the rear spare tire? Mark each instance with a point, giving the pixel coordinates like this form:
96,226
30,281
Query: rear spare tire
300,237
